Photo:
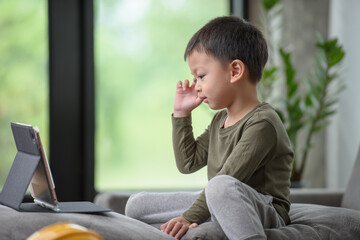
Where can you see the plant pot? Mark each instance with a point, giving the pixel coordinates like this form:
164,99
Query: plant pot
297,184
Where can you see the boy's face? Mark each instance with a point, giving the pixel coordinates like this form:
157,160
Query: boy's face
212,79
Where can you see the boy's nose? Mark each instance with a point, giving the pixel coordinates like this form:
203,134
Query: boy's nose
197,86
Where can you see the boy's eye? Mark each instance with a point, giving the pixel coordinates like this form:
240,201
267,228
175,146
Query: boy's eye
201,76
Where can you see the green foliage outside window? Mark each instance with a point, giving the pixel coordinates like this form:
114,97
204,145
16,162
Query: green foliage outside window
23,73
139,48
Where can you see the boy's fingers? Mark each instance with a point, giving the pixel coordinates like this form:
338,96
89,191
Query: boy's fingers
169,227
176,229
179,84
181,232
163,227
194,225
193,82
186,84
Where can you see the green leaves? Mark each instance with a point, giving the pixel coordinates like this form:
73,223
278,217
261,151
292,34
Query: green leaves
320,100
310,109
294,120
291,84
333,51
325,68
269,4
267,81
269,77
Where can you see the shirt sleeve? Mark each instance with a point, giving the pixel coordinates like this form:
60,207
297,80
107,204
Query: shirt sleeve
198,212
190,154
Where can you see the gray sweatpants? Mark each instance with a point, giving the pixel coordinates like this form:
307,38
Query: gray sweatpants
242,212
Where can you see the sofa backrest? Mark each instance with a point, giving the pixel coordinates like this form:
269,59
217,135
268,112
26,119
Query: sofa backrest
351,198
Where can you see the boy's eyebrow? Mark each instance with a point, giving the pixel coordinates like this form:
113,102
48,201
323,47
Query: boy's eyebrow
194,71
194,74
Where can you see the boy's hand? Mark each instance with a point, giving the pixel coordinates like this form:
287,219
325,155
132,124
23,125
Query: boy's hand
186,98
177,227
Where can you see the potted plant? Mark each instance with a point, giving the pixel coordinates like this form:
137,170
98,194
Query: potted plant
309,110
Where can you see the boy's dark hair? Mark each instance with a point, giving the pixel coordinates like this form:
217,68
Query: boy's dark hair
229,38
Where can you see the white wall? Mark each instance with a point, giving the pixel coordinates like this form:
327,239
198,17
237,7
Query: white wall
343,135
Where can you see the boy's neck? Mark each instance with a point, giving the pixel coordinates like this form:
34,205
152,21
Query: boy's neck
242,105
233,118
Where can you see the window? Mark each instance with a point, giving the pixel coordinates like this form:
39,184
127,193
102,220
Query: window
139,47
23,73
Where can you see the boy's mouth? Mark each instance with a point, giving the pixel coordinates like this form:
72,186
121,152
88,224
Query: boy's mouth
204,99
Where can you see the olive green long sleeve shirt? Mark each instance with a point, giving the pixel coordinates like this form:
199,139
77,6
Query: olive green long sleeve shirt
256,150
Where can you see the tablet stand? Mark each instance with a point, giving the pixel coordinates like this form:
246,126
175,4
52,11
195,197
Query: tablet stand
23,167
18,180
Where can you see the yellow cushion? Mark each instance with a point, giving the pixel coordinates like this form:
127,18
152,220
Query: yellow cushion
65,231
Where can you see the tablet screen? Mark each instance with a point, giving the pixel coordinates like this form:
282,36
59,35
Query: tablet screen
42,186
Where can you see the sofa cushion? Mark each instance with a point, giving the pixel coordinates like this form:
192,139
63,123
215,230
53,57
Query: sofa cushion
351,198
309,221
16,225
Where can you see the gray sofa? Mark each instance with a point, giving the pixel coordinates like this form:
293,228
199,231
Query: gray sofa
315,214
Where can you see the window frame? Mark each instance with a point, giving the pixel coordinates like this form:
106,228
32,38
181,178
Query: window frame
71,83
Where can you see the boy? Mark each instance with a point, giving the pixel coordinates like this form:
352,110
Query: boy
245,148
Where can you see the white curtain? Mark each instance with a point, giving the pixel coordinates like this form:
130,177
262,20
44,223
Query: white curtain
343,134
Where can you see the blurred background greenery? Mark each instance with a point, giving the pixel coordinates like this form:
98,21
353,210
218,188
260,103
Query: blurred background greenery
23,73
139,48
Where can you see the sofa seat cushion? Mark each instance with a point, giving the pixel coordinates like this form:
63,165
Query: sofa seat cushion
16,225
308,221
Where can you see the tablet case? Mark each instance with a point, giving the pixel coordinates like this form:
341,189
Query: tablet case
25,163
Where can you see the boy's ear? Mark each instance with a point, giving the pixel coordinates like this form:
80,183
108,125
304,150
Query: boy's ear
237,70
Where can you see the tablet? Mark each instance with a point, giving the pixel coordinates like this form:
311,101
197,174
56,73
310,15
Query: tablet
31,169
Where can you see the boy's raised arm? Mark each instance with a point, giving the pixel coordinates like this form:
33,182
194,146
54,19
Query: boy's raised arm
190,154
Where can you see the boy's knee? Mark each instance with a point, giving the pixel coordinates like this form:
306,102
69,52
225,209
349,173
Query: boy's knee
134,205
218,186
